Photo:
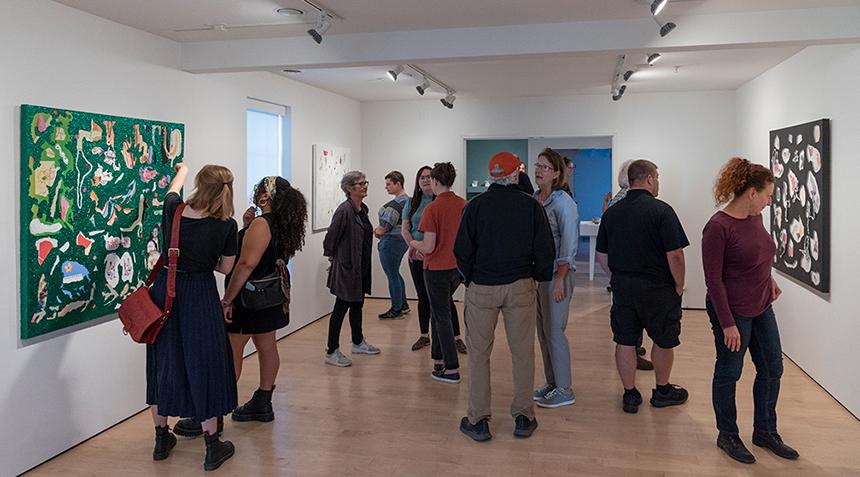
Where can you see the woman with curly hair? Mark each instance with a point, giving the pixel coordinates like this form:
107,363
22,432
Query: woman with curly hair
737,254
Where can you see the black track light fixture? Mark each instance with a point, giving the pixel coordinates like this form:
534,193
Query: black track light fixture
616,95
322,25
448,100
628,74
653,58
657,6
393,74
423,87
666,29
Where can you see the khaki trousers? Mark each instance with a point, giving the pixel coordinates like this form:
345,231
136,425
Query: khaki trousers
517,303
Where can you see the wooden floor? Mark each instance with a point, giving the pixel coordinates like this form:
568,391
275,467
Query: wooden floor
384,416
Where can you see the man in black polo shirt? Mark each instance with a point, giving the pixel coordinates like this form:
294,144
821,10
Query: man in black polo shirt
503,246
641,242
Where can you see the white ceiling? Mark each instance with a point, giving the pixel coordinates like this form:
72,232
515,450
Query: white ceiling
164,17
556,75
720,44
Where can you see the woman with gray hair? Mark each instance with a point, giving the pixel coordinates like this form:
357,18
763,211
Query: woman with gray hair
348,244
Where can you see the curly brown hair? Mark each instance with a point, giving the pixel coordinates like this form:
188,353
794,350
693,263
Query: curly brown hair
737,176
290,209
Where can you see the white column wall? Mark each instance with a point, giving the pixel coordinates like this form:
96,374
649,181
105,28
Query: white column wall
818,332
60,391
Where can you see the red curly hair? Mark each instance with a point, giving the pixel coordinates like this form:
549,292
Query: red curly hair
737,176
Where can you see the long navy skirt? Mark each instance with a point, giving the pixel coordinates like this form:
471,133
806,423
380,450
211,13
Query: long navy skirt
189,368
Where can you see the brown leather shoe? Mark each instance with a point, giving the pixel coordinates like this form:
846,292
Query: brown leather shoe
461,347
421,343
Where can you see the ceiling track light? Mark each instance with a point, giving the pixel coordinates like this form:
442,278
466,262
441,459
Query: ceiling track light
653,58
618,93
326,18
617,88
394,73
657,6
666,29
448,100
423,87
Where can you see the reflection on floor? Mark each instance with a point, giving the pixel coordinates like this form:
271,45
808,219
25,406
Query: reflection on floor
384,416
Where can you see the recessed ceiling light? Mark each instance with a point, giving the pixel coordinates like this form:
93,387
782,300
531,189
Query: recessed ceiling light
292,71
289,12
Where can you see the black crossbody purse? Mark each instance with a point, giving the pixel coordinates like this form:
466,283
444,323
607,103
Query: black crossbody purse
270,290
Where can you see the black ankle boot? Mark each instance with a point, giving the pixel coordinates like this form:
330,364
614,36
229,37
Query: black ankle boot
773,441
164,441
190,427
217,452
259,408
734,447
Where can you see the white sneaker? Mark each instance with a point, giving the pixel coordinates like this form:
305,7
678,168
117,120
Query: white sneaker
338,359
365,348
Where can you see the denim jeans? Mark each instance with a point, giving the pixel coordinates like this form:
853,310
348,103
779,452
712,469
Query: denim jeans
760,335
416,268
441,285
390,254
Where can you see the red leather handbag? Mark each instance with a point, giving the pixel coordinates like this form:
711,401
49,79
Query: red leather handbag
141,318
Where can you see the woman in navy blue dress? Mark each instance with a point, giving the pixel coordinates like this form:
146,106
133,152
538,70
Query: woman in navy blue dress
189,368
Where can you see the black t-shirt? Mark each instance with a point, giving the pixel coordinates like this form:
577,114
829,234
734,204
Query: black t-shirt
637,232
202,242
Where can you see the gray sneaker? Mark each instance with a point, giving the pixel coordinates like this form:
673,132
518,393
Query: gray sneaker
338,359
542,391
557,398
365,348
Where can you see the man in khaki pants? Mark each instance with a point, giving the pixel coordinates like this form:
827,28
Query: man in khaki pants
503,246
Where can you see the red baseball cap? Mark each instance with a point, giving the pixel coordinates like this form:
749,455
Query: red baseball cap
503,164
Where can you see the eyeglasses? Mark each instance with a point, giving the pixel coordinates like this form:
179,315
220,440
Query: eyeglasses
361,184
544,167
424,178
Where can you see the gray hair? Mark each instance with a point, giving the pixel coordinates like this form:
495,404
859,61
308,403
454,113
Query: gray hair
623,180
349,179
512,178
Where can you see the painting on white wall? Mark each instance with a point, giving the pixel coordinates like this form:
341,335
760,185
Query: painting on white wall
330,164
800,209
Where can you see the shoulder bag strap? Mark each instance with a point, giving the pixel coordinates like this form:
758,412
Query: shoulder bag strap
172,260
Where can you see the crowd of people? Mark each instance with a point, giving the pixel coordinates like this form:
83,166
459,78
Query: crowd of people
514,251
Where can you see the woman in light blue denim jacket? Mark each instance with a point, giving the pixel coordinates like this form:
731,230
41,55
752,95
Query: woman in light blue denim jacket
554,296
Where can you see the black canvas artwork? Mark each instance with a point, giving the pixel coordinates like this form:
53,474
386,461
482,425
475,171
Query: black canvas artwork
800,211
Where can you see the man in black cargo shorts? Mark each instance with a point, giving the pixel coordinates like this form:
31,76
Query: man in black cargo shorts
641,242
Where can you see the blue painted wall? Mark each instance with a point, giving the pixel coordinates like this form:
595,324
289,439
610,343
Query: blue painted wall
592,179
478,154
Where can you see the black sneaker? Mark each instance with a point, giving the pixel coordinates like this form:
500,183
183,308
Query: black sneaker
441,374
479,432
391,314
524,426
631,401
734,447
405,310
773,441
675,397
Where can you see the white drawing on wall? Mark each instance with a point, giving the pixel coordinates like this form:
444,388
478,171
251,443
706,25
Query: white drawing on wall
330,164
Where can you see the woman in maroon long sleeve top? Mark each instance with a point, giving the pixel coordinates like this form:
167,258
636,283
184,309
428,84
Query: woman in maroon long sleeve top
737,254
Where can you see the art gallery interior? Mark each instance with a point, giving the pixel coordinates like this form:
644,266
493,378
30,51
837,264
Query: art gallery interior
539,72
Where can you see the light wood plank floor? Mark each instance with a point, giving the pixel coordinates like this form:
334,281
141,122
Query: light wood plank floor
384,416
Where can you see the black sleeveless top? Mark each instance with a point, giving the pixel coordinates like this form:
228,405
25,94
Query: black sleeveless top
261,321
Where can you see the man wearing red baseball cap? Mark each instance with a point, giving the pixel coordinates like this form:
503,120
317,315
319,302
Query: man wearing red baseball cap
504,244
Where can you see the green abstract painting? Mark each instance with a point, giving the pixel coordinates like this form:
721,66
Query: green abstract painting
91,190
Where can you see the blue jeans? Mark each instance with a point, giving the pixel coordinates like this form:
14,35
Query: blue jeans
760,335
391,253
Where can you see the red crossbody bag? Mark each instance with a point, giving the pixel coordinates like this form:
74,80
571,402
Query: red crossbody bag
141,318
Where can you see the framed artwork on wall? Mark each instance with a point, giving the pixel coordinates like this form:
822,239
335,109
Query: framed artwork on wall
329,165
800,208
91,190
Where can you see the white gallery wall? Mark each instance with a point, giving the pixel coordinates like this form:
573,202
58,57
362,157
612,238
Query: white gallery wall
58,392
688,135
820,333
